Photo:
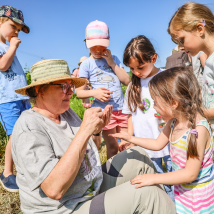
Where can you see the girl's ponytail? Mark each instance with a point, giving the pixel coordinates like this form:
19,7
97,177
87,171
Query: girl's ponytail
191,111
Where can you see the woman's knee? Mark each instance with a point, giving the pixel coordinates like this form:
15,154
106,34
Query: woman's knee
156,200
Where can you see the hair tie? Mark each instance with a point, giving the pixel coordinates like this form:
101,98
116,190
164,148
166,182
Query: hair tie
203,22
195,132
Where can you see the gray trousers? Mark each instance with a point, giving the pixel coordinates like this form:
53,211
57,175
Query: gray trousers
118,196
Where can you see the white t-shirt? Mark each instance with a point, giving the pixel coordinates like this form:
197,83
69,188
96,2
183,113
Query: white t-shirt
145,124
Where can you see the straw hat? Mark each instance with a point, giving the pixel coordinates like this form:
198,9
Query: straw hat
50,70
82,59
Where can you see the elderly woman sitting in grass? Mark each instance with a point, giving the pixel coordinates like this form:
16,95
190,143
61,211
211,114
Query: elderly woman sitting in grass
57,163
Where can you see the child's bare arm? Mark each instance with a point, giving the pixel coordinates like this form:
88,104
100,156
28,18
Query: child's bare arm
151,144
100,93
82,93
130,126
120,72
186,175
209,113
7,59
125,145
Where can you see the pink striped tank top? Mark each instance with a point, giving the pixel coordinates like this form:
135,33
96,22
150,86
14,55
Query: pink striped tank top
198,196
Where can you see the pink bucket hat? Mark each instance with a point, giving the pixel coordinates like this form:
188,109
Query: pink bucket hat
97,33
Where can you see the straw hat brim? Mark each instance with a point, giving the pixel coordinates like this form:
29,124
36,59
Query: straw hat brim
78,82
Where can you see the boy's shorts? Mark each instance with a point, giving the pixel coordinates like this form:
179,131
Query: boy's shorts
10,112
117,119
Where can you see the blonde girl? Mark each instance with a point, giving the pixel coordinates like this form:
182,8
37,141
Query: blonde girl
192,28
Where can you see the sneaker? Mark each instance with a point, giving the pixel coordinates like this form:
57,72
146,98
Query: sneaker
9,183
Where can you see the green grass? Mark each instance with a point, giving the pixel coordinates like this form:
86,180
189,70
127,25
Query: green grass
76,106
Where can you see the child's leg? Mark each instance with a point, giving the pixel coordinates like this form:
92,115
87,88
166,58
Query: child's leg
8,170
158,164
168,164
9,114
8,118
118,119
119,129
111,143
97,140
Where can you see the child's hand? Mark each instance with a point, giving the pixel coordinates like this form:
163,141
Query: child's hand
125,145
122,135
107,55
15,41
143,180
102,94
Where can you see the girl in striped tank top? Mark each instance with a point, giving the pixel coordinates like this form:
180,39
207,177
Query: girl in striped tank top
177,97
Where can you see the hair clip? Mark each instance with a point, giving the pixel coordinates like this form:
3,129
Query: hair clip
195,132
203,22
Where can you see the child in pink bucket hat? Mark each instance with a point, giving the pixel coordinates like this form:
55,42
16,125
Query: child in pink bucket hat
105,73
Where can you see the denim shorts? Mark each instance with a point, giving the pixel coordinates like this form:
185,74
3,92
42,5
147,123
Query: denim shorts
10,112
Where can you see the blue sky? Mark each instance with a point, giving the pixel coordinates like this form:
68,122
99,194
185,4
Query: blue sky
58,27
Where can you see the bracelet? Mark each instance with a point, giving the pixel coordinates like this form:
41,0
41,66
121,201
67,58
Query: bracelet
98,134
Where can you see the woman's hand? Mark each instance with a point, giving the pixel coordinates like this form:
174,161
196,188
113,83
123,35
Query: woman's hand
94,119
143,180
102,94
106,118
91,120
107,55
122,135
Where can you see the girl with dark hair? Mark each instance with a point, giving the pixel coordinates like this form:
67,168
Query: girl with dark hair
177,97
140,56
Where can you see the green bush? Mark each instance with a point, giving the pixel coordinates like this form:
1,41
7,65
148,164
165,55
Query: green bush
28,77
27,74
76,106
125,87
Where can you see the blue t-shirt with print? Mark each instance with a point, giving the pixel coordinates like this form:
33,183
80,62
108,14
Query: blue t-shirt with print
11,79
100,74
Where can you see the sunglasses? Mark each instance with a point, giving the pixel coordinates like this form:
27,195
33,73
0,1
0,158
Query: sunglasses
65,87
